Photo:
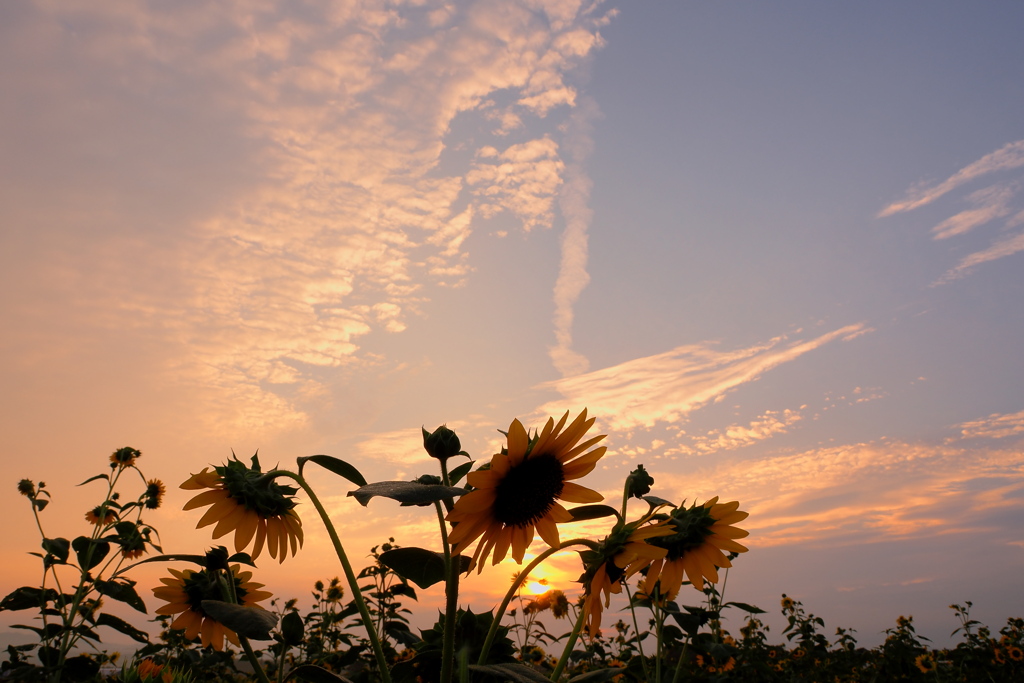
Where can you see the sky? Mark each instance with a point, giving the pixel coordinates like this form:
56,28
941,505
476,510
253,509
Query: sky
776,250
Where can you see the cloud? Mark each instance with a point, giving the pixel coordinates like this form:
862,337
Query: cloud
312,209
767,425
992,204
666,386
995,426
1005,247
1010,156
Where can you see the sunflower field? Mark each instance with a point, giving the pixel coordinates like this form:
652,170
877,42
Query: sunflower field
667,562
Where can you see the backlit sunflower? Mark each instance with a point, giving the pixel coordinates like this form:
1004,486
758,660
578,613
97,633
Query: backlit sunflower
253,509
621,554
101,516
185,592
702,532
519,492
925,663
124,457
154,495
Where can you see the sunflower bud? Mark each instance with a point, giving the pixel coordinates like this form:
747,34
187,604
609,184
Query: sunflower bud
639,482
442,444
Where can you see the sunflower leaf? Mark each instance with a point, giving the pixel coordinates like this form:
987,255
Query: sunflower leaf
422,567
655,502
584,512
598,676
339,467
316,674
520,673
123,591
251,622
98,476
89,552
405,492
745,607
456,475
197,559
122,626
27,597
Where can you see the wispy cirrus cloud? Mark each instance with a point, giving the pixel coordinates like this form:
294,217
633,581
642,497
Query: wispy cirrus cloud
666,386
995,426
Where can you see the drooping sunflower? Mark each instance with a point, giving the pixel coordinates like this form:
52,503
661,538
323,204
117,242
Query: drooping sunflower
702,532
254,509
185,591
154,494
519,492
124,457
27,488
101,516
619,556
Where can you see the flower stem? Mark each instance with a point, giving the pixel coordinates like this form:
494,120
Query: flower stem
636,627
523,575
569,646
357,595
451,588
253,659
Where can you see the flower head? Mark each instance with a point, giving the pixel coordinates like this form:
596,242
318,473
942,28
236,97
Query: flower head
124,457
519,492
925,663
243,501
154,495
185,591
101,515
621,554
27,488
132,540
702,532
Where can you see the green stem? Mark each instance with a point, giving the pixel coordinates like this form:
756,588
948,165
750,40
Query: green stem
636,627
451,587
357,595
659,625
569,646
679,665
253,659
523,575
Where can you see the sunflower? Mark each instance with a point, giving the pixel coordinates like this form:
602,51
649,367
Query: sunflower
241,501
131,540
149,670
1016,654
519,492
27,488
702,533
925,663
101,516
787,603
621,554
124,457
154,495
185,592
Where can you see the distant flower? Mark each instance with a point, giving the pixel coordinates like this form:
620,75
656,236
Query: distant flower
1016,654
241,501
787,603
925,663
133,544
154,495
27,487
101,516
619,556
702,532
520,491
149,670
185,592
124,457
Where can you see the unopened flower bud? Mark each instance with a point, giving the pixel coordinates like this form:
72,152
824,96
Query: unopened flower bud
442,444
639,482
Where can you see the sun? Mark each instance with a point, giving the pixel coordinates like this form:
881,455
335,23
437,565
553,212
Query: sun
537,588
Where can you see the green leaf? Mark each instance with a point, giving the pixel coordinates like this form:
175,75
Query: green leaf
422,567
339,467
584,512
598,676
98,476
58,547
242,558
745,607
309,672
122,626
89,552
40,503
195,559
124,591
520,673
456,475
291,629
654,502
252,622
405,492
27,597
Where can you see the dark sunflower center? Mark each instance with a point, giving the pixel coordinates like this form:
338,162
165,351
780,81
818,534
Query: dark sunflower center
527,492
692,527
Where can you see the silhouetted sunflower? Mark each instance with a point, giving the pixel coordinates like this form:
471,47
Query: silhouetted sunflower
253,509
625,551
185,592
702,532
154,495
101,516
519,491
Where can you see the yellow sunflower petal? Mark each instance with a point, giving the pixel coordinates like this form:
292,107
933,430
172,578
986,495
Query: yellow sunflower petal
261,537
548,531
574,493
518,441
205,498
246,529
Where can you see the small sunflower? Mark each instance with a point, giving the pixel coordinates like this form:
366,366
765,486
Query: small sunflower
27,488
124,457
154,495
519,492
621,554
702,532
925,663
185,592
253,509
1016,654
787,603
131,540
101,516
